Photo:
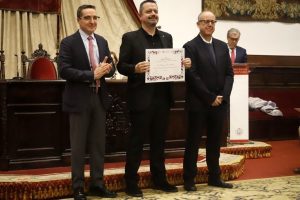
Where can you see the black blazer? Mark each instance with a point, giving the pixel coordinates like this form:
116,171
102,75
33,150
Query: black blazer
204,80
132,51
74,66
241,55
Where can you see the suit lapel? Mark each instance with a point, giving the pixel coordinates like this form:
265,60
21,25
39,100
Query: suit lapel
238,55
81,48
142,39
100,48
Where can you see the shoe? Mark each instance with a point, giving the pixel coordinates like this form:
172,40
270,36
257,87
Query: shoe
102,192
297,170
166,187
133,190
220,183
190,187
78,194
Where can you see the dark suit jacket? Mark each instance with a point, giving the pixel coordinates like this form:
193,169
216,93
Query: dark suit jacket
74,66
204,80
132,51
241,55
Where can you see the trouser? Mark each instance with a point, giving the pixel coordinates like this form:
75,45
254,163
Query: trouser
210,120
87,131
151,123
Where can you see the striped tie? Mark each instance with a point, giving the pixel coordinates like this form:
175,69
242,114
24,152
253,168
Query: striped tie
92,60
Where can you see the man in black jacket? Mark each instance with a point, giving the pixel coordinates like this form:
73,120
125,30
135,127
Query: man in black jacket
149,103
208,86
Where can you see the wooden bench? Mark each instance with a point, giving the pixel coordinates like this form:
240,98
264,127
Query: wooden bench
275,78
266,127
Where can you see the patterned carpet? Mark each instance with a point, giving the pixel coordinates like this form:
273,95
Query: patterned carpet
279,188
58,185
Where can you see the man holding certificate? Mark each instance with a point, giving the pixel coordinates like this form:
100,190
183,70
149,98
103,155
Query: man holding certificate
149,103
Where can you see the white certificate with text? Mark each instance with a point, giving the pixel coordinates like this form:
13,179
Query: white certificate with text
165,65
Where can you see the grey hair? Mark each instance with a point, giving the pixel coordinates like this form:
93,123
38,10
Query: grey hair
233,30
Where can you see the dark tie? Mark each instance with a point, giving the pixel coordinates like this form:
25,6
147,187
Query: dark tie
93,60
232,56
212,54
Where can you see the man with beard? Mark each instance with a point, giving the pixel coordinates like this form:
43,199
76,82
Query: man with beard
149,104
208,86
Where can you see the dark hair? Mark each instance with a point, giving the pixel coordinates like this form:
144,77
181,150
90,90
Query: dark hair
82,7
142,4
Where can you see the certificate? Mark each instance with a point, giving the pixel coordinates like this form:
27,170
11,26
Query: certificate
165,65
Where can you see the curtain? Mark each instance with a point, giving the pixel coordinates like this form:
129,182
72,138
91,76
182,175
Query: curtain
115,19
134,11
22,30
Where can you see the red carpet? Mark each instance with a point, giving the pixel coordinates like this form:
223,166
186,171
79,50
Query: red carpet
284,158
68,169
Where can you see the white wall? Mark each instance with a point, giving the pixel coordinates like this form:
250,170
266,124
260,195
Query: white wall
179,17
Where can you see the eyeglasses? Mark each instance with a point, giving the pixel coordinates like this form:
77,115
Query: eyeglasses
208,21
234,39
89,18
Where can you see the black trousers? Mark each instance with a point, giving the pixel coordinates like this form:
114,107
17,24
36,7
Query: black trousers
151,123
210,120
87,132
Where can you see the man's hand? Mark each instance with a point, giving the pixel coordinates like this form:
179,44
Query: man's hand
187,63
102,69
142,67
218,101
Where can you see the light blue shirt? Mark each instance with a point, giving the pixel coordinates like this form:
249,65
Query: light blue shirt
85,40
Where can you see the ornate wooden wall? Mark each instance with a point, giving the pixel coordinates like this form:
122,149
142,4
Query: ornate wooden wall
34,130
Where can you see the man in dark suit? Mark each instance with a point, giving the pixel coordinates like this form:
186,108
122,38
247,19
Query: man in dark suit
149,104
237,54
85,98
208,87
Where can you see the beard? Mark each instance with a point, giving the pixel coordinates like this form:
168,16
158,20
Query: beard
152,21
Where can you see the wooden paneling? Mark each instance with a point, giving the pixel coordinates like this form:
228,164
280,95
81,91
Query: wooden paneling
274,71
279,76
268,60
32,124
34,132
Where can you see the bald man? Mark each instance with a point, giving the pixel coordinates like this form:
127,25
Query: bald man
208,86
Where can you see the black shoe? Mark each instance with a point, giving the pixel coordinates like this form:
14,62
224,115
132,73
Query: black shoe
166,187
190,187
78,194
297,170
220,183
133,190
102,192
